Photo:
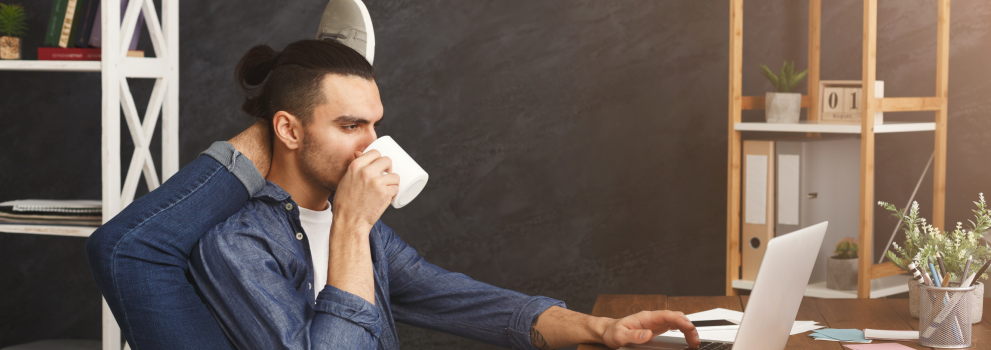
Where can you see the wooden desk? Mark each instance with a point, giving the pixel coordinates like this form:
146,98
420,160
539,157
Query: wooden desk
889,314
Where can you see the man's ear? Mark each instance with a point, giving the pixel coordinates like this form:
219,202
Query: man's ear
288,130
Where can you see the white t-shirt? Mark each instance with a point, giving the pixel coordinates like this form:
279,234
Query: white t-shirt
317,227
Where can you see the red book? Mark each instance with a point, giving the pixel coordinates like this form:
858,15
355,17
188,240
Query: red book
77,54
71,54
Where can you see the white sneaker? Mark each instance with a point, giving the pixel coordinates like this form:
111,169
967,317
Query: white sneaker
348,22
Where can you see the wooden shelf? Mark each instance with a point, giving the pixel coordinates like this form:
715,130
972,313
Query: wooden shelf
868,107
53,230
880,287
50,66
835,128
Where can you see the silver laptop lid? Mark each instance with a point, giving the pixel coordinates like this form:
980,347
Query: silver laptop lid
781,281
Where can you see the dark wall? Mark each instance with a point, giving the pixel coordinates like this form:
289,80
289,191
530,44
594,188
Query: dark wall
575,148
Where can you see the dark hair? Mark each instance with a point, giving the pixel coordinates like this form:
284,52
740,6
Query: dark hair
290,80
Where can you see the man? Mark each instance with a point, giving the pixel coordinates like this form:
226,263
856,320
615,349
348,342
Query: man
292,270
139,257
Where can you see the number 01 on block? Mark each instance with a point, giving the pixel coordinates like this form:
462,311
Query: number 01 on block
840,101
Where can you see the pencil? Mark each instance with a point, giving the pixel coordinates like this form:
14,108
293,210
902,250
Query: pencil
968,282
981,271
932,270
925,275
966,270
942,268
945,281
915,273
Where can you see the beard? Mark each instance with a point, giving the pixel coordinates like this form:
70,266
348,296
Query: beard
318,168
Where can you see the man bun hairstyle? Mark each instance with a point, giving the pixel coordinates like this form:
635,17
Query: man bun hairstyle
291,80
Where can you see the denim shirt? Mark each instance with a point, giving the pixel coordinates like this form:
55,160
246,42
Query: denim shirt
254,271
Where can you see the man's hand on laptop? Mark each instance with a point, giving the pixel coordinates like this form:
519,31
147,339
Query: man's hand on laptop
640,327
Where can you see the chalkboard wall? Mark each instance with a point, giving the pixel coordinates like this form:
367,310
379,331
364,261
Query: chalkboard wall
575,147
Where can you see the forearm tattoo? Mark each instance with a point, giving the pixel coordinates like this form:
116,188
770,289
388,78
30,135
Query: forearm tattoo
537,339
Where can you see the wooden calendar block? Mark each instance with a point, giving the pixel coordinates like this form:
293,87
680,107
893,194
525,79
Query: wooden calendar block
840,101
832,100
851,100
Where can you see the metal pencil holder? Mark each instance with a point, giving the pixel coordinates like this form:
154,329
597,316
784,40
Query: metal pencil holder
944,316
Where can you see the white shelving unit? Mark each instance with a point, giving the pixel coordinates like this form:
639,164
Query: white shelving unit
114,68
834,128
881,287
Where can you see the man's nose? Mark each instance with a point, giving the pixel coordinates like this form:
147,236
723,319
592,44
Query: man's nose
369,138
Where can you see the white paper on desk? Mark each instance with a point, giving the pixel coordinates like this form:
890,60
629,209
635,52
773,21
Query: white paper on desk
716,314
729,335
891,335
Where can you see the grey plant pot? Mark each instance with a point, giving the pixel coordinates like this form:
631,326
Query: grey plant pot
841,274
782,107
976,306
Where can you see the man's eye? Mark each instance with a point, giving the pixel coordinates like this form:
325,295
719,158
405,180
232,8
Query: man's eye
350,127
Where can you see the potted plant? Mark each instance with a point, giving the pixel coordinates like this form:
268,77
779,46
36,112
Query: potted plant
13,26
923,240
841,270
783,106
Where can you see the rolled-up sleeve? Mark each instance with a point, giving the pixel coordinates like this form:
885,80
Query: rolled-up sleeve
351,308
425,295
249,282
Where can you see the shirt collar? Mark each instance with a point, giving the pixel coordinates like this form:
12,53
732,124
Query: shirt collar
271,192
274,193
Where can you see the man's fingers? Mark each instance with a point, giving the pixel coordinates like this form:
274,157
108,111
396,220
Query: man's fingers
377,167
364,159
637,336
391,180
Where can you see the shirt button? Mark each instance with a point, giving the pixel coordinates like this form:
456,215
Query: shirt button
309,286
288,206
299,236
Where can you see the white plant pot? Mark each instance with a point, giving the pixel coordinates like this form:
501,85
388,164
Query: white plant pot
976,300
782,107
841,274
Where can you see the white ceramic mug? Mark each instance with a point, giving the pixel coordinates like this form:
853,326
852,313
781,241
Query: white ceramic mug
412,178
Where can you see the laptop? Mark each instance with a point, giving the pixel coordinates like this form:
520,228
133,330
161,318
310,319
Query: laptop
781,280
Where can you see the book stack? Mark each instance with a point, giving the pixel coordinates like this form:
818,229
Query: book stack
74,32
60,217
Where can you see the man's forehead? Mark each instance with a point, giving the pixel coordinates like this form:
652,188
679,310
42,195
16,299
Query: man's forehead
351,96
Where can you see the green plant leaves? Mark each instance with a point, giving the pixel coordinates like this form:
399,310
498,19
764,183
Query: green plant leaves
787,79
13,20
923,240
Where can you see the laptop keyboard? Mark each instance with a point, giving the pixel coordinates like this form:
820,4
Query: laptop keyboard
714,346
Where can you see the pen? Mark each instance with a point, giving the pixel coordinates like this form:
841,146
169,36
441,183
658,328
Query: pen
942,268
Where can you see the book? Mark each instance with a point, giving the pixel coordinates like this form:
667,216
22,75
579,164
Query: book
55,22
70,14
96,33
74,206
58,230
77,54
84,23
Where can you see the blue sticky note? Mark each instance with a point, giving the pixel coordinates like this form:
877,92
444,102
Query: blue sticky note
848,335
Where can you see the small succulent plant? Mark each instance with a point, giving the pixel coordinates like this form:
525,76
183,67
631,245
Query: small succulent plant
787,80
846,248
13,20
